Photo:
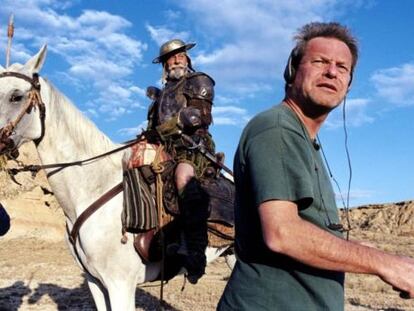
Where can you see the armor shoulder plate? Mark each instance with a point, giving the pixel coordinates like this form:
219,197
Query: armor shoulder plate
199,85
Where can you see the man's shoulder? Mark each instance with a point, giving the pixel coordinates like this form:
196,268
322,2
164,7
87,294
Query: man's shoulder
200,77
199,85
273,117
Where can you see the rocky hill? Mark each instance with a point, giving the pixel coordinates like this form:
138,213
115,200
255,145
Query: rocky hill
396,218
32,207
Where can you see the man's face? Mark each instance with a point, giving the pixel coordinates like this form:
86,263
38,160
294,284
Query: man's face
324,73
177,66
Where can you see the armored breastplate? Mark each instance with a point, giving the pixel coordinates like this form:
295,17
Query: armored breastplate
171,100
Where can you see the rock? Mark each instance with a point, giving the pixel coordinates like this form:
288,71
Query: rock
33,213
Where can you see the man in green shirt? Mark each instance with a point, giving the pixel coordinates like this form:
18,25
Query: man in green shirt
291,254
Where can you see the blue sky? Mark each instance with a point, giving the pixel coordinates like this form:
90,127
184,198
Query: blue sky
100,53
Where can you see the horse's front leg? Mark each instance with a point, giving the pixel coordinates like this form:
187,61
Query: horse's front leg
99,294
115,289
118,268
122,294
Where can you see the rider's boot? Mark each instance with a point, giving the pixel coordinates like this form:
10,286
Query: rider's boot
193,203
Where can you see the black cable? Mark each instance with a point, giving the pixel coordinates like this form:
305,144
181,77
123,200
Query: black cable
348,157
345,205
330,172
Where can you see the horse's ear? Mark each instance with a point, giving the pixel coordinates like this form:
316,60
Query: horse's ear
34,64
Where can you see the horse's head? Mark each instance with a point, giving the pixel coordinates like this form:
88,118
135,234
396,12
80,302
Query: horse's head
21,107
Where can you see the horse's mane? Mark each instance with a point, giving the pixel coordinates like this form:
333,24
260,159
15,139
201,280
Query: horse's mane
71,121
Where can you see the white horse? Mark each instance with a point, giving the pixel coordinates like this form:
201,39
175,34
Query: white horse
113,269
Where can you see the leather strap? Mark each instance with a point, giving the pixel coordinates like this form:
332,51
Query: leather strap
33,81
92,209
60,166
34,100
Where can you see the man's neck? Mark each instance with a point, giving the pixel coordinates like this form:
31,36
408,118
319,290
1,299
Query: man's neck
311,121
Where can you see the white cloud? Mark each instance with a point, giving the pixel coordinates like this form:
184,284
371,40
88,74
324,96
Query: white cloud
354,195
130,131
229,109
230,115
356,114
137,90
245,56
172,15
244,44
95,44
161,34
225,100
116,101
90,113
251,50
63,5
396,84
100,21
90,68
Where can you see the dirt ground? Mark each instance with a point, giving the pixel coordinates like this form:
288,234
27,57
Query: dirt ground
40,274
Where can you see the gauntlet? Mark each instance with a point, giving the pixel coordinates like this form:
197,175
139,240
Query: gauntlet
169,128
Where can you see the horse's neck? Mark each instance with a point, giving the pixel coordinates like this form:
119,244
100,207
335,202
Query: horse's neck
69,137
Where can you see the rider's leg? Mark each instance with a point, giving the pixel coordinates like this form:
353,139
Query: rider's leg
193,203
183,173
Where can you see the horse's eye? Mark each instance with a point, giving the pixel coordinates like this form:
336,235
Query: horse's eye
16,98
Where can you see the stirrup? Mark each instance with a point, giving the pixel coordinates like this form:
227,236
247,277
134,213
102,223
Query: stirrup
142,242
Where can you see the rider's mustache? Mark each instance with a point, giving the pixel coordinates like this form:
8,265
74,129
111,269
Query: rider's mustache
177,66
177,71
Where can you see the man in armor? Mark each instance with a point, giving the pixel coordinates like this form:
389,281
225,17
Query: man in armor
183,106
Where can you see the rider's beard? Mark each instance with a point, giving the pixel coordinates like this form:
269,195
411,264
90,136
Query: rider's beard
177,72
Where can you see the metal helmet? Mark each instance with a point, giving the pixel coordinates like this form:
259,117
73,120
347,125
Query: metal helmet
170,48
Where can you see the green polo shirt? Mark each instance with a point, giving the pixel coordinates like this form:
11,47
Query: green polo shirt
276,160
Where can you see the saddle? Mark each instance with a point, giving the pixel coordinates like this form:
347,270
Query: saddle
157,232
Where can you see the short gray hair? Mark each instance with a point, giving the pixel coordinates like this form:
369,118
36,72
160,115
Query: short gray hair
327,30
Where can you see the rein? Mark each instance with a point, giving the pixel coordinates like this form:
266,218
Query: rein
73,234
60,166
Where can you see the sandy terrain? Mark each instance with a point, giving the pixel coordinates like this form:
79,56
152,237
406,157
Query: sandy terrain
38,273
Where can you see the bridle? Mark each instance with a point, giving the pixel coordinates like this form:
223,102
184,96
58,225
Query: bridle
34,100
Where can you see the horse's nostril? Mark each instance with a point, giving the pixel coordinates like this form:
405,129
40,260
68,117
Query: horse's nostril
8,146
14,153
2,146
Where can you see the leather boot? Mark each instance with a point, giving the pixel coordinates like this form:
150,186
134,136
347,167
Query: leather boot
193,203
